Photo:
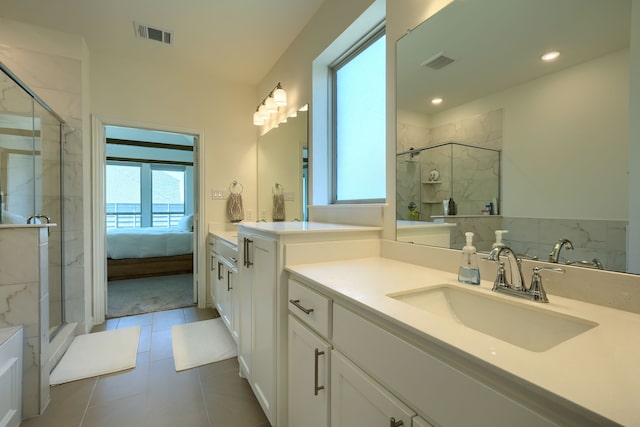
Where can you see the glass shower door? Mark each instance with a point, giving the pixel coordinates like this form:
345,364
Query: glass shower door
30,177
47,141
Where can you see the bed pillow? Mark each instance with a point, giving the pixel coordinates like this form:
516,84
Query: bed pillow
186,223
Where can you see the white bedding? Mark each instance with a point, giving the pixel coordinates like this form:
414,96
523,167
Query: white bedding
148,242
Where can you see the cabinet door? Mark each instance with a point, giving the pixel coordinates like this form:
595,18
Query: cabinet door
263,303
308,377
228,298
235,305
213,273
219,292
357,400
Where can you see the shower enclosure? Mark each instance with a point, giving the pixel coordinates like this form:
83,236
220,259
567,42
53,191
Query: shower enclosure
31,174
426,177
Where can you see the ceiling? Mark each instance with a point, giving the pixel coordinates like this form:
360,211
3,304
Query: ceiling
238,40
496,44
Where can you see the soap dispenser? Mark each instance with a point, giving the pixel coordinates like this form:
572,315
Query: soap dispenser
498,243
468,272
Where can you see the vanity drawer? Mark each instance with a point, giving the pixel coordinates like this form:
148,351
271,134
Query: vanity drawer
312,308
428,385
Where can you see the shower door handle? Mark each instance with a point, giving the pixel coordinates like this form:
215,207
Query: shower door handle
40,217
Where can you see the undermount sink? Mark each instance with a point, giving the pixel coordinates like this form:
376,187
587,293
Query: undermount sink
531,328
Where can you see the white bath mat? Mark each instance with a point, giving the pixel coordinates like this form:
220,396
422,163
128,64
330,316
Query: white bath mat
198,343
99,353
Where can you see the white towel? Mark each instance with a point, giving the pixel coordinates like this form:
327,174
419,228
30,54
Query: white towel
234,207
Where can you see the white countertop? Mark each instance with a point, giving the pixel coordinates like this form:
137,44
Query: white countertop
598,369
229,236
292,227
406,224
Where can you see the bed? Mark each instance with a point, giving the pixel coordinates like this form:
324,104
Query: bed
150,251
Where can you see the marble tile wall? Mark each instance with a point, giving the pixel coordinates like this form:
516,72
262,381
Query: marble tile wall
601,239
58,81
24,300
476,173
482,226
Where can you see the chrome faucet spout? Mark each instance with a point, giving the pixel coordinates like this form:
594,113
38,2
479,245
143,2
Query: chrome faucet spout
554,256
515,266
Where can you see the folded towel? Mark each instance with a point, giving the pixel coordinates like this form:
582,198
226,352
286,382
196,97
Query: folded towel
278,207
234,207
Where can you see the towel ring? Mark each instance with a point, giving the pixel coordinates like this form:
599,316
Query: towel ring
277,189
233,186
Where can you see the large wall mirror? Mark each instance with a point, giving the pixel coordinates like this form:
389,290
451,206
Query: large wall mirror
283,171
560,128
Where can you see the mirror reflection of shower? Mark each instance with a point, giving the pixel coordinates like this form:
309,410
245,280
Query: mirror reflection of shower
408,194
428,177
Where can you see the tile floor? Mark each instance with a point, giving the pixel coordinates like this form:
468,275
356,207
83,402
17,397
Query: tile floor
153,393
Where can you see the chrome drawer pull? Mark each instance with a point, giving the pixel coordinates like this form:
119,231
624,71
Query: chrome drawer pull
394,423
296,302
317,388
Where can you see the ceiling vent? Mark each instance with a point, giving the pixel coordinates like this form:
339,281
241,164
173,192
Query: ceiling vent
438,61
151,33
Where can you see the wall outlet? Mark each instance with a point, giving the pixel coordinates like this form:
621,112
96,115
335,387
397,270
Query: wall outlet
218,194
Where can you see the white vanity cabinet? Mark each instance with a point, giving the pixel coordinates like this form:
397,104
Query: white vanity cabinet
309,356
264,308
308,376
325,384
223,270
358,401
257,354
11,339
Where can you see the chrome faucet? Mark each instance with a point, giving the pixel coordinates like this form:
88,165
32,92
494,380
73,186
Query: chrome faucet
594,263
535,292
515,266
555,252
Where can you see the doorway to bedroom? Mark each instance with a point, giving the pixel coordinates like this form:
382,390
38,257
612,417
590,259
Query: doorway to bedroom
150,201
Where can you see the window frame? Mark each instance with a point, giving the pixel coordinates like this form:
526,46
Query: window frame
374,35
146,183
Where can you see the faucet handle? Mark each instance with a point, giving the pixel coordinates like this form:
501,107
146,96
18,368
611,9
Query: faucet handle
501,278
536,289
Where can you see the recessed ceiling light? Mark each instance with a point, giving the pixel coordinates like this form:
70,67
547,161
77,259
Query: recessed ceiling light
437,101
550,56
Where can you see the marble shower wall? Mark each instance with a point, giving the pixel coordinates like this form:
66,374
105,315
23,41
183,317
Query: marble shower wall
601,239
24,300
57,80
475,171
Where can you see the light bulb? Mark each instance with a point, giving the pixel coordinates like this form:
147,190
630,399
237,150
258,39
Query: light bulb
257,119
263,112
280,97
550,56
271,105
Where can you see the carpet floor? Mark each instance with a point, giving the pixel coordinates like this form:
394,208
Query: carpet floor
137,296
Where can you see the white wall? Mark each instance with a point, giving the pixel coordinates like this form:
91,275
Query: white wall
182,99
565,141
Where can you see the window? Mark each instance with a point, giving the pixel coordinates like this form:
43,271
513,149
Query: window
167,195
359,115
145,194
123,195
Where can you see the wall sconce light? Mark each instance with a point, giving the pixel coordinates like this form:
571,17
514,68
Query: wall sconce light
270,104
